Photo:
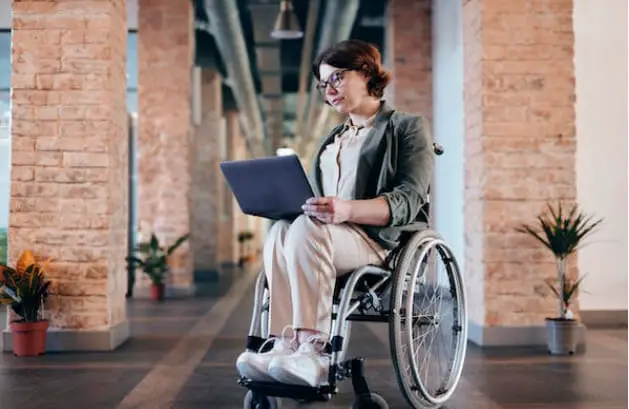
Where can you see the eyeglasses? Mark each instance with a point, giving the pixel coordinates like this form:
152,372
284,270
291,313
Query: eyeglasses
335,80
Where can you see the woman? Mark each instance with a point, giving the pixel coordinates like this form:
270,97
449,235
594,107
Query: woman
371,177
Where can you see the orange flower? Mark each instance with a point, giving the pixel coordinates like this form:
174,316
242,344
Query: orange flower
27,258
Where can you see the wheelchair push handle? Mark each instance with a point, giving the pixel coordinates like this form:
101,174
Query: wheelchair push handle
438,148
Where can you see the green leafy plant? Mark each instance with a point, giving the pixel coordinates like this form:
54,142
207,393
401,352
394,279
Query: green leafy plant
25,287
562,233
245,236
3,246
152,257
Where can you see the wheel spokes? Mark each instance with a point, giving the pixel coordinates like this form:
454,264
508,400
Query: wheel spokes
432,325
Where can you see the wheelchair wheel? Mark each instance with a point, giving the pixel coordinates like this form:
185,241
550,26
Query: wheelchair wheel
254,401
264,315
370,401
428,322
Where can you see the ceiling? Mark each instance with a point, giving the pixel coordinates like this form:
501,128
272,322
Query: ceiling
274,66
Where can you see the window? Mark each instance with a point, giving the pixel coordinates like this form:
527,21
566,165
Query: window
132,71
5,141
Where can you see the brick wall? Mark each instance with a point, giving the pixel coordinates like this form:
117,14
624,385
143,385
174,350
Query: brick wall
228,242
410,22
205,195
520,150
165,58
473,199
69,154
240,219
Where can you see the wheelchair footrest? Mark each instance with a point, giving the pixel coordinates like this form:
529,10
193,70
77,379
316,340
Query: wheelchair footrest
297,392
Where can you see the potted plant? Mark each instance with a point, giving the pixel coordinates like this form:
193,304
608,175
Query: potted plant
153,260
25,288
562,232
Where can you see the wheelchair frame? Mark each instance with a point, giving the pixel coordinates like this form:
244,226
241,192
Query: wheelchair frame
352,303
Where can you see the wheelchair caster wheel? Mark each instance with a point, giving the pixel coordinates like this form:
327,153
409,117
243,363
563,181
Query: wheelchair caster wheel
370,401
254,401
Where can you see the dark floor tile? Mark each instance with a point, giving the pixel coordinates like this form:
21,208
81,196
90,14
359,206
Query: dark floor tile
76,388
191,307
551,382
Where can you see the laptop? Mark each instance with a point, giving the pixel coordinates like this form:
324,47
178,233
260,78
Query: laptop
273,187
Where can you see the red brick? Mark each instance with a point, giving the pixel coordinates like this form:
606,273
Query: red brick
34,205
47,159
22,173
75,112
412,52
85,160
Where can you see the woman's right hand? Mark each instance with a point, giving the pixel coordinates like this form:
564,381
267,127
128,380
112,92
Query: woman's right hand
328,209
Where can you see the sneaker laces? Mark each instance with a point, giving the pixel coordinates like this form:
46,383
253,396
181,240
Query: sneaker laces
280,338
316,342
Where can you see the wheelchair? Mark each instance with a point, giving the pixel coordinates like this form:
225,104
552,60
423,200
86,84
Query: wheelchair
406,293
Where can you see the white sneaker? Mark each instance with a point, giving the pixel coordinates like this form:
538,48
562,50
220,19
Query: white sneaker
308,366
255,365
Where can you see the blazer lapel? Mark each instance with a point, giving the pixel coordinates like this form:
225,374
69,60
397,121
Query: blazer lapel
315,171
369,150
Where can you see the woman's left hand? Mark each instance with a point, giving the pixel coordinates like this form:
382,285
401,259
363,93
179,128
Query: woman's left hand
328,209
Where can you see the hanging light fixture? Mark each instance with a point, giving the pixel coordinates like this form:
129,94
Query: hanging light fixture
286,25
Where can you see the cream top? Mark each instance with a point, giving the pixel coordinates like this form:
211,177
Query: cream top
339,161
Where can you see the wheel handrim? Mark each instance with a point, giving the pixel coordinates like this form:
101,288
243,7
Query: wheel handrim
413,378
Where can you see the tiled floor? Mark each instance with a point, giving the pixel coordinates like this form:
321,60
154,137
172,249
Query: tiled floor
181,356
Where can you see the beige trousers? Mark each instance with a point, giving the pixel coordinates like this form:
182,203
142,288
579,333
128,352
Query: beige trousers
302,261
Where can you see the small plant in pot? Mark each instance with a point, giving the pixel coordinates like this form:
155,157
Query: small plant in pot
562,232
152,258
25,289
244,237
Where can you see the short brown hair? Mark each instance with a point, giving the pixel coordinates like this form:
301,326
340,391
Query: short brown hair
356,55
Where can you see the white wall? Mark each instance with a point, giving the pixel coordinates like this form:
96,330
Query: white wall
5,13
601,108
448,123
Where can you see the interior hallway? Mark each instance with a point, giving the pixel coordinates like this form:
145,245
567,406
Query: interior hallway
181,355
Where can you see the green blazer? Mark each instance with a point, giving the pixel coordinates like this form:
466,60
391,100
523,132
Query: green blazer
396,162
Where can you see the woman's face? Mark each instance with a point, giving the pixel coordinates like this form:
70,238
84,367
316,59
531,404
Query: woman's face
343,89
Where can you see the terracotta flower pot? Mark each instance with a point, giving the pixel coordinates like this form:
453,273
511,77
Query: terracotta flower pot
29,338
157,292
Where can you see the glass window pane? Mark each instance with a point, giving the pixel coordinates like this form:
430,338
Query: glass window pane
5,143
132,61
5,168
5,59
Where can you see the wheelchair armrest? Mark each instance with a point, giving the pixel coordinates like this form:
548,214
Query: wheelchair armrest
414,227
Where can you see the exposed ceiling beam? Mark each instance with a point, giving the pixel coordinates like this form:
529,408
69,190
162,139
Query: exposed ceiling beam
304,72
269,69
225,25
337,26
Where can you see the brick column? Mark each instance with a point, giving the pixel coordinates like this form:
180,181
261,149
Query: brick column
228,240
409,23
410,59
520,145
206,210
165,60
69,163
240,219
